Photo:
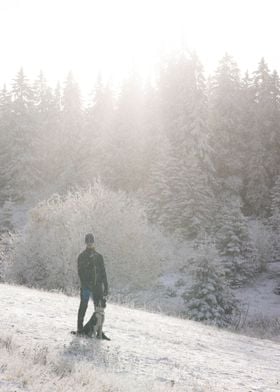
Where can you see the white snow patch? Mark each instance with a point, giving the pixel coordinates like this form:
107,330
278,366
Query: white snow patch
152,350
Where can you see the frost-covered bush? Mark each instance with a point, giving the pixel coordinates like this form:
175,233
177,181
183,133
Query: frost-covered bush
45,254
210,299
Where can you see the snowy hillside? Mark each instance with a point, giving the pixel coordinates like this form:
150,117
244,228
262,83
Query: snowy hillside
147,352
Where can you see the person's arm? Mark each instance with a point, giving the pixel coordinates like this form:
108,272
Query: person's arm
81,271
104,277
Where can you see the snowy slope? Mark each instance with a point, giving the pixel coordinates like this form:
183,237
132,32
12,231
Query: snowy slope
148,351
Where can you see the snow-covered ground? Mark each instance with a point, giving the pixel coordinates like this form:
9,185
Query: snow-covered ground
148,352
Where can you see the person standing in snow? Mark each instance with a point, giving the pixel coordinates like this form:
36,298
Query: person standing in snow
93,280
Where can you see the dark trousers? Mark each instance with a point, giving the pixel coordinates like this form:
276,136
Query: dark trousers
85,294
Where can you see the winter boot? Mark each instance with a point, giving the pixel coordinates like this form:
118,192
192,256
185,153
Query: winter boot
104,337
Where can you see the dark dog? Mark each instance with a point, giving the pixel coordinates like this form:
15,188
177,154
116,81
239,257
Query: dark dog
94,326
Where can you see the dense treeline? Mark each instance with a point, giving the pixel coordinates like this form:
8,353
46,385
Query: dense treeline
201,155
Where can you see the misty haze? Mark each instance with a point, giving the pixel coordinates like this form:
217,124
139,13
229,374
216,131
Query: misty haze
146,137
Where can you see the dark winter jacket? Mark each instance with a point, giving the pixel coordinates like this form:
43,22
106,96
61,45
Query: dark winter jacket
92,271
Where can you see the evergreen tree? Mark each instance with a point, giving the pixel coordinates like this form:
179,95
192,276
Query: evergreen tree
5,142
189,205
209,299
234,243
127,140
98,159
273,158
226,132
264,145
257,187
100,111
71,136
157,194
72,107
6,215
247,121
275,202
275,217
23,175
47,114
153,139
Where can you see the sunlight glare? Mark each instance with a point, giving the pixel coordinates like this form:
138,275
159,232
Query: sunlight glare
115,37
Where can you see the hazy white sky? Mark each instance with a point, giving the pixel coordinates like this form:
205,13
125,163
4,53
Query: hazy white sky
113,36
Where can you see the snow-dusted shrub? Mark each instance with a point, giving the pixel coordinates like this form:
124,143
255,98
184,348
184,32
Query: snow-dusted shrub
210,299
45,253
